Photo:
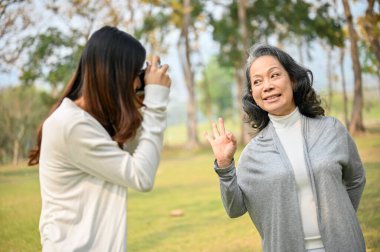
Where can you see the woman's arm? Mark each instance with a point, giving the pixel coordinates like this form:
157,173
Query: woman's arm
224,146
93,151
353,173
232,195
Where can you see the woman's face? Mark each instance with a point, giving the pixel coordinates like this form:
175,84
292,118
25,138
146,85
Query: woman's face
271,86
136,83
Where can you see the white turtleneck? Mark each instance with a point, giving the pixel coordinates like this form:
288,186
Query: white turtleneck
288,129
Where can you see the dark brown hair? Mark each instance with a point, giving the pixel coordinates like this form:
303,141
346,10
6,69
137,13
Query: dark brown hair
109,64
305,97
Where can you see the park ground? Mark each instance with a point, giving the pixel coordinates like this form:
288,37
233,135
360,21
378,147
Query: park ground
187,185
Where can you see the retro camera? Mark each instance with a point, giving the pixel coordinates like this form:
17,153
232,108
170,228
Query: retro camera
140,90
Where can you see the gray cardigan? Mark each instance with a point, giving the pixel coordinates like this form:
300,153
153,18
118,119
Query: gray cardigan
264,185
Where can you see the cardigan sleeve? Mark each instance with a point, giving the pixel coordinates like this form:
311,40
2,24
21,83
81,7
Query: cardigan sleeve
232,195
353,171
94,152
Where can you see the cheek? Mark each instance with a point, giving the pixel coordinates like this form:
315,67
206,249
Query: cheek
136,83
256,95
290,93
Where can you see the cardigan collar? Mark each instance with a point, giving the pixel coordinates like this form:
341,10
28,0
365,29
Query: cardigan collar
312,128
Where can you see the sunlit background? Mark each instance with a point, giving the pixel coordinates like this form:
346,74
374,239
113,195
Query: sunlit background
205,43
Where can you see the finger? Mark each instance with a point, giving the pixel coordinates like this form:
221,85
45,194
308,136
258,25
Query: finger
231,137
209,139
215,130
164,68
156,63
148,66
221,126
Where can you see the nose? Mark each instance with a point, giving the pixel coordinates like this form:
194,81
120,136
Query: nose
267,85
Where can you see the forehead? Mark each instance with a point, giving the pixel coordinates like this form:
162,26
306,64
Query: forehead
263,64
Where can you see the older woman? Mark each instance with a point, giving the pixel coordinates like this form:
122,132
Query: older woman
300,178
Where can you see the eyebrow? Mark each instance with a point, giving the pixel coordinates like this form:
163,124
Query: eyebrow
269,70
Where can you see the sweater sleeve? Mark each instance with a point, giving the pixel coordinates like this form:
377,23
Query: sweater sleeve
94,152
232,195
353,172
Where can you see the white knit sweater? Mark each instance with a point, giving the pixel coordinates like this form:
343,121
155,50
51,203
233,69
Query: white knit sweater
84,175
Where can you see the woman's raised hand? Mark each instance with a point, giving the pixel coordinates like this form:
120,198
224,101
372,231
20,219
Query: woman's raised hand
157,74
223,144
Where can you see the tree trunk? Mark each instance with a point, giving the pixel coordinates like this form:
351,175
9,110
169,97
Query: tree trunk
356,124
329,79
370,27
16,152
207,100
239,71
378,81
192,132
244,128
345,102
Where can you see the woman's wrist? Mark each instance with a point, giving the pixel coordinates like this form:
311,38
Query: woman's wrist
224,163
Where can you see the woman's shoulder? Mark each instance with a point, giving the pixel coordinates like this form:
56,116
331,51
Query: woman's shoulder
69,116
325,121
262,142
66,113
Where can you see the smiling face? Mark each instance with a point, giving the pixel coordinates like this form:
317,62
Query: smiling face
271,86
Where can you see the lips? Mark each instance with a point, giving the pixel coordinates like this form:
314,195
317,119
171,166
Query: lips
271,97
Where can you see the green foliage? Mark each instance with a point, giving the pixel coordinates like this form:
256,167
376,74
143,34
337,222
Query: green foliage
22,110
46,60
215,89
227,34
164,16
285,20
369,63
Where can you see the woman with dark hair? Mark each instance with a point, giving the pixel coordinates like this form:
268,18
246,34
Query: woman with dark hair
100,139
300,178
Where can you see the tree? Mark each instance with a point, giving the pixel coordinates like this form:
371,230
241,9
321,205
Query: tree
22,109
329,78
369,62
47,62
369,29
232,34
216,90
185,17
43,52
15,19
356,123
344,89
185,57
370,24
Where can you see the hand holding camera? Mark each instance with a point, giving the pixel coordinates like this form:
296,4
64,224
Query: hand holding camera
155,73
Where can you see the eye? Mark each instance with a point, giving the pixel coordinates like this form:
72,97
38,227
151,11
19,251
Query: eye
256,82
274,75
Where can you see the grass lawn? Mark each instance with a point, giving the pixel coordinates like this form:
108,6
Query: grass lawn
186,182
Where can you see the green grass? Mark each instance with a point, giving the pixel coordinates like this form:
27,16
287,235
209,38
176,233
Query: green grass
185,181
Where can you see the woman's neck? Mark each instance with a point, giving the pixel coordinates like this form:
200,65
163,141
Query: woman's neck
286,120
80,102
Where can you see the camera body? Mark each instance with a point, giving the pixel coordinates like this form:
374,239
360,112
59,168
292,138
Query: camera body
141,89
